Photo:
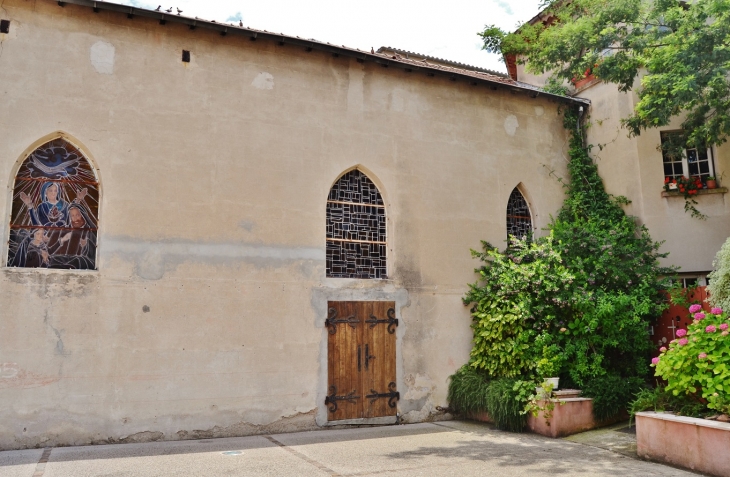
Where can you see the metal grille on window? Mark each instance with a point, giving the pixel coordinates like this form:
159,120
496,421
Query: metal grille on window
519,220
356,245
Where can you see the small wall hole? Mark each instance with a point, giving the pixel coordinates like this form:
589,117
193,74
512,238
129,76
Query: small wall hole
186,56
4,26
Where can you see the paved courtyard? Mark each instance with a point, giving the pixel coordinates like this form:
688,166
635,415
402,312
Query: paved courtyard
452,448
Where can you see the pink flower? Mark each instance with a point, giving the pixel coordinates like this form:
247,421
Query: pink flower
716,311
662,349
725,333
699,316
695,308
723,326
702,356
710,329
683,341
654,361
681,332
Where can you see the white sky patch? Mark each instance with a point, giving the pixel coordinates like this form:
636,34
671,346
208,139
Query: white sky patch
443,29
235,18
504,6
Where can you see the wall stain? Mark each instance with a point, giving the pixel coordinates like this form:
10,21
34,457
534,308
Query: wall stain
153,259
59,340
299,422
13,376
61,284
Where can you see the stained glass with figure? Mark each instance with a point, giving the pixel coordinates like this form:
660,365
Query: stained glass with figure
519,220
55,210
356,245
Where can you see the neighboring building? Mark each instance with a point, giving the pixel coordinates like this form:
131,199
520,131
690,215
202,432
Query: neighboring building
636,168
218,231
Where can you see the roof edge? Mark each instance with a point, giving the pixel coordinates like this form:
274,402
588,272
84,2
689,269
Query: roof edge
225,29
455,64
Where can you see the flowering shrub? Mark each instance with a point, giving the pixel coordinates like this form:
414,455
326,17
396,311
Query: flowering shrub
698,364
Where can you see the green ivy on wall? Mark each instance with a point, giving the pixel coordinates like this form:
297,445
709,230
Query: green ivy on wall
576,303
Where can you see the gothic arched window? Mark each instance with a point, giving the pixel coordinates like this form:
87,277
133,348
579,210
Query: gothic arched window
356,246
55,210
519,219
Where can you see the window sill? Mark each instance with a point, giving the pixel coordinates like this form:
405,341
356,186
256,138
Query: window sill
676,193
48,271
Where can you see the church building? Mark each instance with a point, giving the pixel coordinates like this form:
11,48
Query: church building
214,231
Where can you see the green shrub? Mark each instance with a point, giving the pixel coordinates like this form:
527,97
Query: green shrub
509,320
658,399
577,303
719,287
612,394
471,392
468,391
504,405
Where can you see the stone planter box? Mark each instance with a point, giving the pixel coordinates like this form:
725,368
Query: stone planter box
573,416
570,416
696,444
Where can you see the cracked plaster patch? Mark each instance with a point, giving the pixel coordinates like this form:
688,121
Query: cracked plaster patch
419,387
263,80
511,124
102,57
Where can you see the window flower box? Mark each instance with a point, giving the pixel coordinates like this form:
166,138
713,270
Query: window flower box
676,193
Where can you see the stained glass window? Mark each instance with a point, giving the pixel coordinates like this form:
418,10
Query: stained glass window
519,220
55,210
356,246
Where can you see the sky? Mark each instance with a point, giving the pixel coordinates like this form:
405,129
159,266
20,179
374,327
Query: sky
441,29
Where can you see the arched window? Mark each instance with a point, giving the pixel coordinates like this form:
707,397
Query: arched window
55,210
356,245
519,220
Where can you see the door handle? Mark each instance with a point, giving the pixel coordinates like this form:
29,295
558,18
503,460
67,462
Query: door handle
358,358
368,356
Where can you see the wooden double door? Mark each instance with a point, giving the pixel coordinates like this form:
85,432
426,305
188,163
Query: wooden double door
361,359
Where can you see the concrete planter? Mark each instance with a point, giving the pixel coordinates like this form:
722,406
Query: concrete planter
696,444
574,415
570,416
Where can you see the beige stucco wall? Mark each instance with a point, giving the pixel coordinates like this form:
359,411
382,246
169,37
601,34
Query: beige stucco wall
214,177
633,167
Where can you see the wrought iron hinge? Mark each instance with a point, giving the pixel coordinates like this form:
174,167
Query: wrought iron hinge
392,321
332,399
332,320
392,396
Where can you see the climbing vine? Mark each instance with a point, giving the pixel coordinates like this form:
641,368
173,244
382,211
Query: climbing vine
576,303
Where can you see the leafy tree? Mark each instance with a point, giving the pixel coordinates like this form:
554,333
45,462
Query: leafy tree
675,54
